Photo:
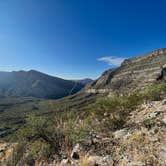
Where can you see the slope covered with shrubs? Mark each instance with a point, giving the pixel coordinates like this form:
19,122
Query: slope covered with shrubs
53,140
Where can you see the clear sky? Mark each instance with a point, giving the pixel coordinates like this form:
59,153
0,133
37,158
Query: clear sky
78,38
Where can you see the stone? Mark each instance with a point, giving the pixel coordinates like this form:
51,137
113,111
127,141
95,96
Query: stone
108,159
75,152
65,162
100,160
136,163
120,133
154,114
154,139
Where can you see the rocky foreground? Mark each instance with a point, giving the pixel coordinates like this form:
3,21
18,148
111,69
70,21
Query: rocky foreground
141,143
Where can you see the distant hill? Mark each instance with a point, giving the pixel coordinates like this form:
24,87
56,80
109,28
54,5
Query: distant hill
35,84
84,81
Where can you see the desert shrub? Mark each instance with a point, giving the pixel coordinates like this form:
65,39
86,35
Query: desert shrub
53,137
149,122
78,134
44,137
112,112
40,148
73,125
155,92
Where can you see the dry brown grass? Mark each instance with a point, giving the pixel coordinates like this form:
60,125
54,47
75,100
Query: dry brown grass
84,161
139,148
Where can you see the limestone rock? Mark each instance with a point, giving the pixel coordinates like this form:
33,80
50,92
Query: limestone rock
75,152
101,161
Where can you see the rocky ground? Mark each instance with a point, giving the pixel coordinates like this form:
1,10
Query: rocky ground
142,142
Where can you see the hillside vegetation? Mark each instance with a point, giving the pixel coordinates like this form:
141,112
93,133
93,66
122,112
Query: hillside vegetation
51,140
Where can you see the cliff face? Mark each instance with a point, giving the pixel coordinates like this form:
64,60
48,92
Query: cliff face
134,73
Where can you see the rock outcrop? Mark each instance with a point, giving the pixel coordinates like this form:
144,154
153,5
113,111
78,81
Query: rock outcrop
134,73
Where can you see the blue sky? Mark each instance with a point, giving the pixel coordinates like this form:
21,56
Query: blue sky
78,38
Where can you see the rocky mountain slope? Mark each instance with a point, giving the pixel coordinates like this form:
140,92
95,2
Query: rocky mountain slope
35,84
97,125
134,73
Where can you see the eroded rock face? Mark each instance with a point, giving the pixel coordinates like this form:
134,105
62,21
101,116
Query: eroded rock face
134,73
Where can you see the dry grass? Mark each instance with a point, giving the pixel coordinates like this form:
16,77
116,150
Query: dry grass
84,161
139,148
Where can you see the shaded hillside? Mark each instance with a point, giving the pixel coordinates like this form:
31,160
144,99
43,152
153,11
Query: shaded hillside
84,81
35,84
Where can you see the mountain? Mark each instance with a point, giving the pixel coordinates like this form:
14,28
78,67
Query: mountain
84,81
134,73
103,126
35,84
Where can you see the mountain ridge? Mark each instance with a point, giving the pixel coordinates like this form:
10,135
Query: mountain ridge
84,81
134,73
35,84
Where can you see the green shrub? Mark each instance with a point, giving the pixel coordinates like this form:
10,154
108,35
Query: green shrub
112,113
44,137
156,92
149,122
73,125
40,148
